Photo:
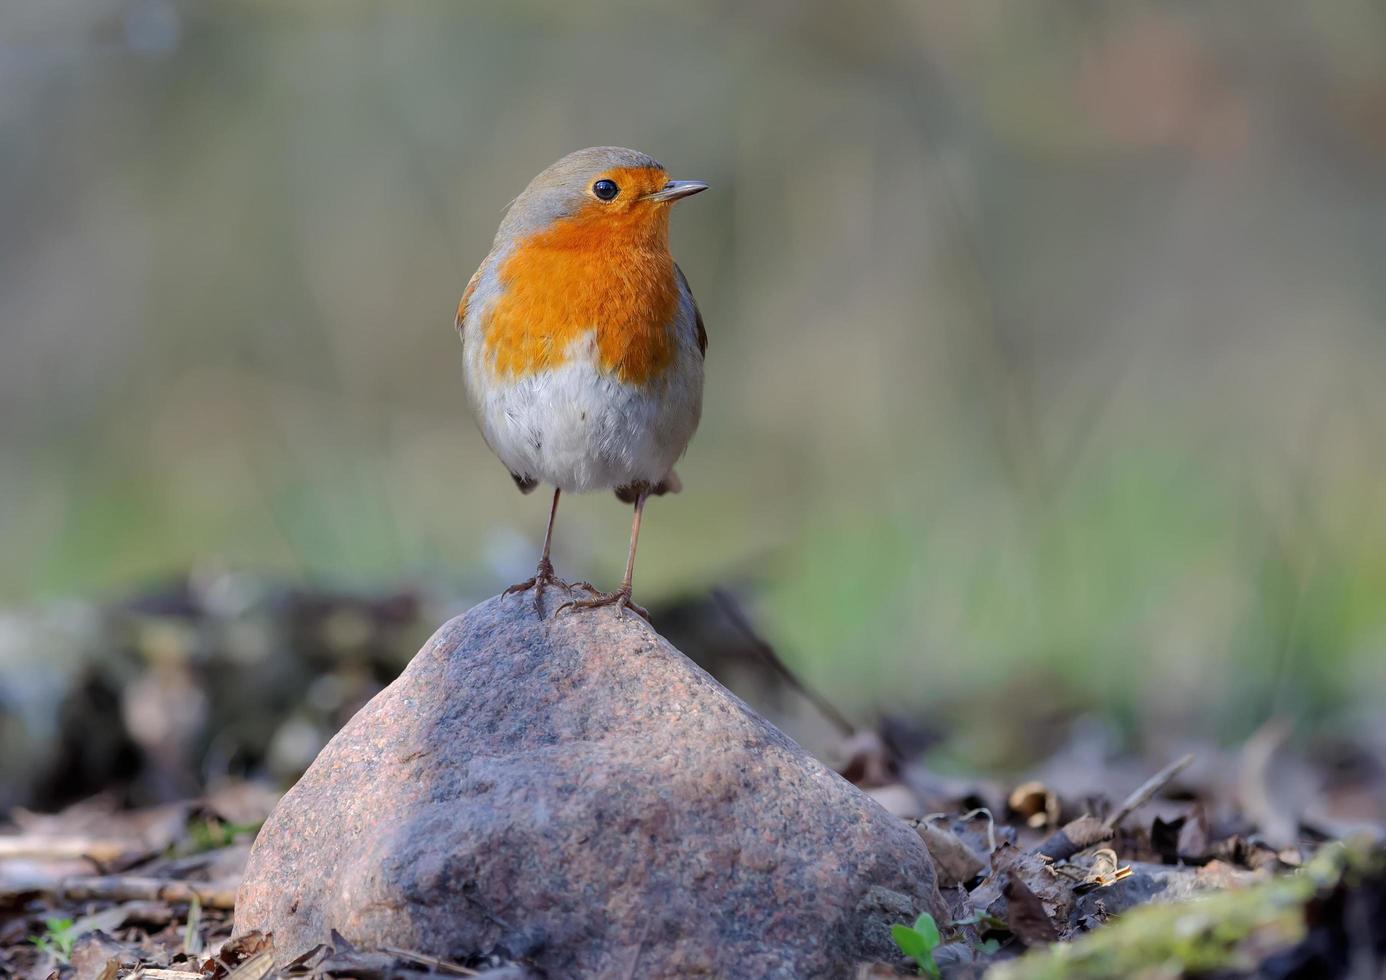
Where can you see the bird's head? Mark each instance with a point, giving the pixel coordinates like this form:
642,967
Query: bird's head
600,192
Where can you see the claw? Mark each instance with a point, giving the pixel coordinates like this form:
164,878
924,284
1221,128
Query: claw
543,576
620,599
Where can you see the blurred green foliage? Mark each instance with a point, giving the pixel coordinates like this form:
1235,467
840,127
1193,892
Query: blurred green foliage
1046,338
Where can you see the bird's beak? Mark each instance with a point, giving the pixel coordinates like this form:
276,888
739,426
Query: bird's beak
676,189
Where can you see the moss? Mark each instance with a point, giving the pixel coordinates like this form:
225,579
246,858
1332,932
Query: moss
1230,930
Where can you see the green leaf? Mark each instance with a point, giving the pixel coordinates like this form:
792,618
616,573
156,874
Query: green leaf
58,938
910,942
928,928
918,943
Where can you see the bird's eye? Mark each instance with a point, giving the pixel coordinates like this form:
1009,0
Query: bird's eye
606,190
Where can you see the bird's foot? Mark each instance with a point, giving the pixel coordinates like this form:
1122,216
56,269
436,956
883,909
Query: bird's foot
544,577
620,599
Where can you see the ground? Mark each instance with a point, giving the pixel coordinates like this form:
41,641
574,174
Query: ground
1178,858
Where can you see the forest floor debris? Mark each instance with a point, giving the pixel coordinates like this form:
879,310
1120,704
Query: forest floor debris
1161,856
1092,897
1172,878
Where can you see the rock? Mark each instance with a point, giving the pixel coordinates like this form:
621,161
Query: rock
575,794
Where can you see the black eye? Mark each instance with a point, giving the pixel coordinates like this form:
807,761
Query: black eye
606,190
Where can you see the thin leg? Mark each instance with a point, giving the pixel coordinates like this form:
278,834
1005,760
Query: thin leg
621,597
543,574
548,531
634,540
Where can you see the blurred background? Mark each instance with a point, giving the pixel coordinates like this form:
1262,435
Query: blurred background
1046,373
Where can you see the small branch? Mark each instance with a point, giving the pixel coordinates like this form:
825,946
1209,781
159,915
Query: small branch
732,610
65,848
456,969
1143,793
119,888
255,968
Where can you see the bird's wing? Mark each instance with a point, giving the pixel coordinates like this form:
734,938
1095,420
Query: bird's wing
697,313
462,303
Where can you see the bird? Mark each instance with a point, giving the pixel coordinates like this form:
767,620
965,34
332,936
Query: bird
582,344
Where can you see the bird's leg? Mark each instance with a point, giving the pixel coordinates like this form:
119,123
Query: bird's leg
543,574
621,597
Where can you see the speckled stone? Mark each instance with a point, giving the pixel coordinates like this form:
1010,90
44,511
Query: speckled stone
576,793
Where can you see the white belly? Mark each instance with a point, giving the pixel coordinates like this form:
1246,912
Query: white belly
581,429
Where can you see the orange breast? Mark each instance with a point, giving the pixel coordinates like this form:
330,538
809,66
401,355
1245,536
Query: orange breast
598,270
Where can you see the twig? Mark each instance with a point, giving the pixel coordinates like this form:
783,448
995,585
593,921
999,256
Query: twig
70,848
192,939
991,824
1142,793
732,610
1278,822
457,969
118,888
254,968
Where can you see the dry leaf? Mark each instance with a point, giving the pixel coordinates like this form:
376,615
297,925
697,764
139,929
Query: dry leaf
1075,836
1034,803
1025,914
957,864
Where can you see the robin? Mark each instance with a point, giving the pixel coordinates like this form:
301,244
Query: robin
582,345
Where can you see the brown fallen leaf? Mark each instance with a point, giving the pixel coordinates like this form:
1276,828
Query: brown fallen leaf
1034,803
96,956
1039,876
1105,863
869,761
1193,844
239,949
1074,836
1240,851
957,864
1025,914
1106,869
